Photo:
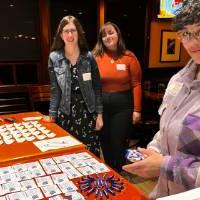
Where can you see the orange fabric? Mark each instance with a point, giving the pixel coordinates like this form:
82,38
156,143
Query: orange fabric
119,78
26,150
130,191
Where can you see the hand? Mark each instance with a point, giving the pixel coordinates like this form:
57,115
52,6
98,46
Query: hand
147,168
136,117
99,122
47,118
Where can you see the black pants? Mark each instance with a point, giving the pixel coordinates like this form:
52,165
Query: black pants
117,118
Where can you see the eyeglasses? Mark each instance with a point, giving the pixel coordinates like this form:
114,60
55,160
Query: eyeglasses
187,35
67,31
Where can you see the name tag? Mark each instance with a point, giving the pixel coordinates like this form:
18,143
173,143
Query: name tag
174,88
121,67
87,76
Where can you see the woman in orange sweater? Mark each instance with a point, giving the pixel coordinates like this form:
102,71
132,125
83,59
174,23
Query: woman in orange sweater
121,84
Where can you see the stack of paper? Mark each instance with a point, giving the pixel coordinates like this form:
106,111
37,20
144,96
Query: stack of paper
56,143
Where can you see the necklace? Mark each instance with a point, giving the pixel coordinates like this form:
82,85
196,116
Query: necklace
112,60
112,57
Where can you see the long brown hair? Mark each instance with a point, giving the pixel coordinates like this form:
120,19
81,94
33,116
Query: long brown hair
100,48
58,43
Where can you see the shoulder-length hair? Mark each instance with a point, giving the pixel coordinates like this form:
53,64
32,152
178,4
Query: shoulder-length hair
100,48
58,42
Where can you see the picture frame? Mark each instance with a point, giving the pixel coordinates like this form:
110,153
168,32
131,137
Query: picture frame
170,48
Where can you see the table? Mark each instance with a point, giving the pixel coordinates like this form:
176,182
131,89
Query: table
130,192
22,153
26,150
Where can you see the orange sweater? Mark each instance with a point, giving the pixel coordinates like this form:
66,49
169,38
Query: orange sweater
121,75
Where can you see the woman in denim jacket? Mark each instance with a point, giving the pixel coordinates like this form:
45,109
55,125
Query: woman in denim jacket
75,101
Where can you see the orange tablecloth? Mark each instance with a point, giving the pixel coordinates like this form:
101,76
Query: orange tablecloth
26,150
130,192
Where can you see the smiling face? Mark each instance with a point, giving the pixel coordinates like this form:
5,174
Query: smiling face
69,34
110,37
190,38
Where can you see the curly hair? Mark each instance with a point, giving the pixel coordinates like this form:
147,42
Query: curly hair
187,15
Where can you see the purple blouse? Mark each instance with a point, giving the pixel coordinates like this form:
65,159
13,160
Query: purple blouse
178,139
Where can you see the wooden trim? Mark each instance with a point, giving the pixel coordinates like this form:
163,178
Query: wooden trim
148,18
14,73
45,40
101,13
40,93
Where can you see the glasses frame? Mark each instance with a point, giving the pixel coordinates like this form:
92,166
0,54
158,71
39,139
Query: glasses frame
67,31
190,35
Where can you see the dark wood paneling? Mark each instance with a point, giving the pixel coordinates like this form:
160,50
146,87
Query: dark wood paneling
45,40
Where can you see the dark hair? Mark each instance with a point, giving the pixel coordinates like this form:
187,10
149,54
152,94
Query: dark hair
58,43
99,48
187,15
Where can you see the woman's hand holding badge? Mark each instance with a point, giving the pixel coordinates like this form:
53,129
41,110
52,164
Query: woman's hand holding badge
147,168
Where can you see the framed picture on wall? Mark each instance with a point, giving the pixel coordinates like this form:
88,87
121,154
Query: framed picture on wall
170,47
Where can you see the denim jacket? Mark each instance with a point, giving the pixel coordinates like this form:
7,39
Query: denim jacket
60,78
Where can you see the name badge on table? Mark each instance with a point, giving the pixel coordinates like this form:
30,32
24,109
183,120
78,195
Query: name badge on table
87,76
174,88
121,67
